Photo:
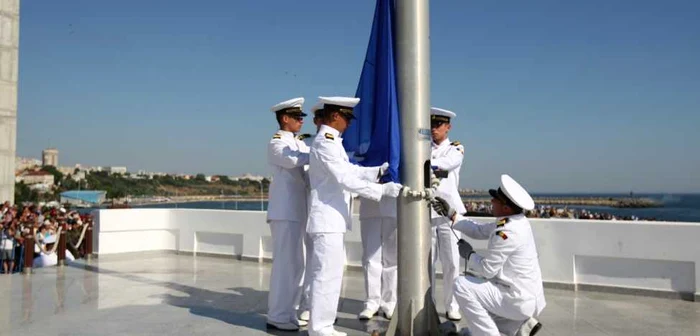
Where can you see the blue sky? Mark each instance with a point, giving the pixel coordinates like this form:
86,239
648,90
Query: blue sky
595,96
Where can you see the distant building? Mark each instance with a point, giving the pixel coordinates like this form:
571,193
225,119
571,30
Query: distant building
49,157
22,164
83,197
35,177
249,176
116,170
79,176
66,170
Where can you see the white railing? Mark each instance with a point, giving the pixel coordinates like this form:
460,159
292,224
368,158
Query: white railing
657,256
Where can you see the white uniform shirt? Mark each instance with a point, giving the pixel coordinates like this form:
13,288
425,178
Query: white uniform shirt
333,178
287,156
448,156
511,258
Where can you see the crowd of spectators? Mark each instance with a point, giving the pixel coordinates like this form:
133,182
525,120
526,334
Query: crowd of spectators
17,222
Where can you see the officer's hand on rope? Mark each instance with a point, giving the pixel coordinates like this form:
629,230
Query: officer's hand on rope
465,249
391,189
441,206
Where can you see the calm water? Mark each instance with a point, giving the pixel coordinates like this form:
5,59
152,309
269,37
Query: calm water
677,207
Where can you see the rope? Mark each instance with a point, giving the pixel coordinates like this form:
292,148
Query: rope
429,195
82,235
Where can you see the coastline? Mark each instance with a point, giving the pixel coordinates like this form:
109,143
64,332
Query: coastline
613,202
189,199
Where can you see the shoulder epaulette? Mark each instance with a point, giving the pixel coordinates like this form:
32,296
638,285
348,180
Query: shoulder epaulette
329,136
501,222
303,136
502,234
455,143
277,136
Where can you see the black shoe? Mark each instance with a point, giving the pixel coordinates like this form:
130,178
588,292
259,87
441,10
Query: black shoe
536,329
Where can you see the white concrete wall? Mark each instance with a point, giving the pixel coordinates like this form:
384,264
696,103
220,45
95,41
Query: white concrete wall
9,68
660,256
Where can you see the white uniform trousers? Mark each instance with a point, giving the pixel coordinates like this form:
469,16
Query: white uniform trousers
487,309
379,261
287,270
305,292
444,246
327,265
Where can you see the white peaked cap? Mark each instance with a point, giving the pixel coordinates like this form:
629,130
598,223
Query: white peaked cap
50,239
316,107
442,112
292,103
349,102
516,193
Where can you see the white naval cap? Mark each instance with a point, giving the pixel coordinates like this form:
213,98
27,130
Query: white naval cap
50,239
511,191
292,106
316,108
344,105
438,114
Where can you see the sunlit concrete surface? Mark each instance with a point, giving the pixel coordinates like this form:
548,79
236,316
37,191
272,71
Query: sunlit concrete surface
167,294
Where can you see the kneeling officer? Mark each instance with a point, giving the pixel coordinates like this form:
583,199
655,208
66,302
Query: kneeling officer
505,281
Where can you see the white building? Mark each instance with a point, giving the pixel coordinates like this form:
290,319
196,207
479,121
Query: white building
22,164
79,176
116,170
35,177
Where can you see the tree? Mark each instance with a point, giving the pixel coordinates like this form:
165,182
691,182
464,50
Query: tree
57,175
201,178
24,194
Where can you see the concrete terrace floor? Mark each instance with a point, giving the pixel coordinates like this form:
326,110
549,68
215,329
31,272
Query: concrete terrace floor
167,294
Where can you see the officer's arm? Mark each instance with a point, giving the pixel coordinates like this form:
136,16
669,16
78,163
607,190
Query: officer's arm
369,174
279,153
473,229
344,173
501,245
451,160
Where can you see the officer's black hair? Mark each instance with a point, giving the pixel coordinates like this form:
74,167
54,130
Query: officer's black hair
516,209
278,116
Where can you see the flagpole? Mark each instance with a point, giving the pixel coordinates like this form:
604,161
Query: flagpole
416,312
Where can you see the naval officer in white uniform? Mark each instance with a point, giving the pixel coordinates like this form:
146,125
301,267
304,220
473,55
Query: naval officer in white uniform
379,256
287,214
333,178
446,157
305,300
505,281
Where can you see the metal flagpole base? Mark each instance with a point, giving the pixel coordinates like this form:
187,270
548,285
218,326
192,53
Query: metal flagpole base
433,320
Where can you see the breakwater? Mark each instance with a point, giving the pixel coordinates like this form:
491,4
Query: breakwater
613,202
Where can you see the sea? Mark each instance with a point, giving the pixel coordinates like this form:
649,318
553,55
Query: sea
676,207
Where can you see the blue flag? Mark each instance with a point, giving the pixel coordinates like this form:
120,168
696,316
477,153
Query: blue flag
375,137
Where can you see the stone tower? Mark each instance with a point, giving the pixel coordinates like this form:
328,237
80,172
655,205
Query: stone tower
9,62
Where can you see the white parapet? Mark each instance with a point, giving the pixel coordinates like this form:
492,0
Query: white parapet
658,256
